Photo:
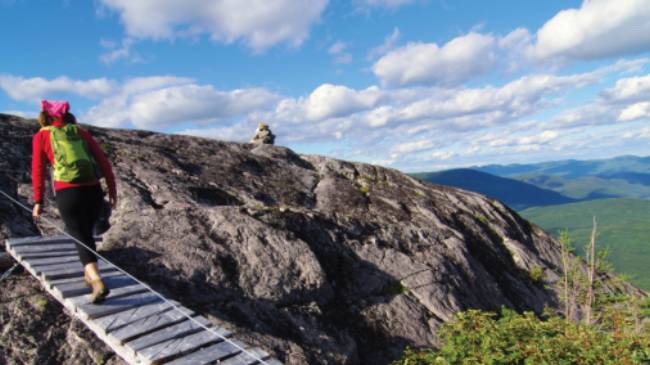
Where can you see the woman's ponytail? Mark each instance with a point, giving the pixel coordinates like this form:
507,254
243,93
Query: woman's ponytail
44,119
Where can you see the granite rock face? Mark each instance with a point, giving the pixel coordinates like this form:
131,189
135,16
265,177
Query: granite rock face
317,260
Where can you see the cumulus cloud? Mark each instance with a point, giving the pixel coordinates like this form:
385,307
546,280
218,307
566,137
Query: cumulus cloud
259,24
35,88
624,102
113,111
160,102
599,28
472,107
631,88
635,111
194,103
457,61
327,101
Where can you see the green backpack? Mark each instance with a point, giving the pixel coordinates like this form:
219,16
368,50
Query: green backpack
73,162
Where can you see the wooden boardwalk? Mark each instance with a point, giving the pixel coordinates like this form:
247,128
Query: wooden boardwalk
138,325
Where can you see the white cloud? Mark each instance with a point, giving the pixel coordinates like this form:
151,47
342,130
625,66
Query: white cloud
113,111
514,47
259,24
599,28
631,88
192,103
635,111
457,61
162,101
337,47
410,147
329,101
396,117
542,138
338,51
35,88
624,102
325,102
241,132
471,107
642,133
115,53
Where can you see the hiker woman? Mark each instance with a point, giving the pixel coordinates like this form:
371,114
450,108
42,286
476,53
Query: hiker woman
72,152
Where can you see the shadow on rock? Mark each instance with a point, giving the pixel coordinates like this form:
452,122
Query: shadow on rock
327,328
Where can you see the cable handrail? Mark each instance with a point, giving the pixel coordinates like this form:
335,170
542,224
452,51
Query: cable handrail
174,306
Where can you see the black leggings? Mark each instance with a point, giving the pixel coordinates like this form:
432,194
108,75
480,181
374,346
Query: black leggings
79,208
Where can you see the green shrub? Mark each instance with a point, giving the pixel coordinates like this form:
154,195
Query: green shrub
106,147
40,303
477,337
364,189
537,274
395,288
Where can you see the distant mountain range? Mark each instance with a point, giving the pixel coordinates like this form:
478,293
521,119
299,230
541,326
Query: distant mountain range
619,177
516,194
567,194
549,183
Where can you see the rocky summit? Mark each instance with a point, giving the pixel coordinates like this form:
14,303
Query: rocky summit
317,260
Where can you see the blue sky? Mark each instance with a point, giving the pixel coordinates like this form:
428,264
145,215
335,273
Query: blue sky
411,84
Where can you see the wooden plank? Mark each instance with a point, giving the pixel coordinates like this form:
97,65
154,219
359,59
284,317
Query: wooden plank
243,358
175,331
120,350
18,240
40,255
35,239
43,269
117,321
210,354
137,324
80,278
72,272
115,304
53,260
180,346
39,241
150,324
118,292
79,287
58,247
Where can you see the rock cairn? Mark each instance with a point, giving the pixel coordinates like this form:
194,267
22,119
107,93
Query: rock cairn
263,135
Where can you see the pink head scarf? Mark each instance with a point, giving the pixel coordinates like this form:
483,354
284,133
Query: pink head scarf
56,109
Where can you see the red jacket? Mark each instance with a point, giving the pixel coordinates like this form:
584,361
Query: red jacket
42,149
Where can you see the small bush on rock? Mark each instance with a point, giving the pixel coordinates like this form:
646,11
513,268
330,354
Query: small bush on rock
477,337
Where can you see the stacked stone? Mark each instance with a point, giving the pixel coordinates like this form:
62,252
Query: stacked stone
263,135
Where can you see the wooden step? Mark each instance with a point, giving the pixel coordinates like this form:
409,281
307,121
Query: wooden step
139,325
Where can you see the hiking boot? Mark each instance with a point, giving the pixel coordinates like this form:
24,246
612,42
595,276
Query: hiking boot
100,291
